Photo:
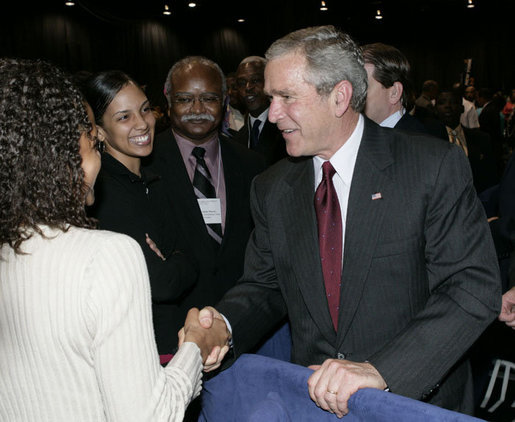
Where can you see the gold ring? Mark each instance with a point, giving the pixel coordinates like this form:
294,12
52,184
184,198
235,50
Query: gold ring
332,392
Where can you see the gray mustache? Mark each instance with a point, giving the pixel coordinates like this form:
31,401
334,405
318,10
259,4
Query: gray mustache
201,116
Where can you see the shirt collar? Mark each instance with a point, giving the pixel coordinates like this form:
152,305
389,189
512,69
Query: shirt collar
113,166
458,131
211,146
262,117
344,159
393,119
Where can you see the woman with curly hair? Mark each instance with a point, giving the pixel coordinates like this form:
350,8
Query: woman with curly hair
131,200
76,339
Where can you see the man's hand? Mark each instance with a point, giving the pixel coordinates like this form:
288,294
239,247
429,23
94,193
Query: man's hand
508,308
332,383
212,341
152,245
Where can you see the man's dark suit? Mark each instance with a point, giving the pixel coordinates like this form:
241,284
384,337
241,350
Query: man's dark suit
219,267
490,122
411,124
420,280
481,158
480,152
271,143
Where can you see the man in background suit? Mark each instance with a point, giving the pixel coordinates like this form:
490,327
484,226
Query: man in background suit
235,108
258,133
195,88
469,117
490,122
425,103
475,143
395,213
390,95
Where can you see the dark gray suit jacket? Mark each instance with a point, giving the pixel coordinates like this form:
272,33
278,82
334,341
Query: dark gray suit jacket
420,280
220,267
271,143
411,123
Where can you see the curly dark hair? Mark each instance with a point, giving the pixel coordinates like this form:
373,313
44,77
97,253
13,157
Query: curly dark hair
41,178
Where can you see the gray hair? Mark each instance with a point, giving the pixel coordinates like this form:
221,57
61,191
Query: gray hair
331,55
253,59
182,64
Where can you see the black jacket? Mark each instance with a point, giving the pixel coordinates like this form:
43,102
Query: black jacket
133,205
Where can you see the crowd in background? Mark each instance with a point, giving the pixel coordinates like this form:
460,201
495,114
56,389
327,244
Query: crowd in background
192,182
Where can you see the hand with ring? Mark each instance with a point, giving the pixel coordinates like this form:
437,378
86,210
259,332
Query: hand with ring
333,382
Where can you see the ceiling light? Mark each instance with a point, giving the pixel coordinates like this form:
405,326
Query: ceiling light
470,4
241,20
192,4
167,10
323,6
378,14
69,3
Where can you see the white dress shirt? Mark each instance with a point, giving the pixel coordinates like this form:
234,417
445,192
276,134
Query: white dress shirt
469,117
262,118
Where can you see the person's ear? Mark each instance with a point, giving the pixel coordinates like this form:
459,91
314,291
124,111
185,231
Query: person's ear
396,91
342,93
102,135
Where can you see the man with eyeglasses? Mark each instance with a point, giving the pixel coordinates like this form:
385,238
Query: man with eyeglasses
258,133
208,178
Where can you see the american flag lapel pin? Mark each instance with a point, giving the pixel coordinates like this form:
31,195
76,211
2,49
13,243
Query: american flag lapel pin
376,195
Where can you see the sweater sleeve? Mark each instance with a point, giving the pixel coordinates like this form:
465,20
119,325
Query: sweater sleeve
132,383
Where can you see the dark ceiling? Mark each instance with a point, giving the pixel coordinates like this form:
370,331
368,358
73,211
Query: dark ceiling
435,35
227,11
271,18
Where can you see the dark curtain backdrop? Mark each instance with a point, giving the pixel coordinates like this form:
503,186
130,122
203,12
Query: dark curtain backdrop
78,39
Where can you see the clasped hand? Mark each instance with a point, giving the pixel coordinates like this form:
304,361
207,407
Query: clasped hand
507,314
333,382
208,330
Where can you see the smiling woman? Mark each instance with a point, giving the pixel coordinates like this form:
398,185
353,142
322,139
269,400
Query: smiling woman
130,199
76,332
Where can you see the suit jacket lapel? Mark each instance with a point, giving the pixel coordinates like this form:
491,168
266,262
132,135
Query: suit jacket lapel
233,188
299,217
184,195
364,219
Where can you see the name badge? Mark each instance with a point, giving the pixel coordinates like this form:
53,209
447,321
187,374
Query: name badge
211,209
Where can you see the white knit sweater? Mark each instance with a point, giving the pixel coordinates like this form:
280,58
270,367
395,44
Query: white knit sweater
76,339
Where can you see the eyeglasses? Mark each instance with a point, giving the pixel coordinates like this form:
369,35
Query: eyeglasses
188,100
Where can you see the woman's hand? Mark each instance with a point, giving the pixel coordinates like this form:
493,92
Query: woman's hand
154,247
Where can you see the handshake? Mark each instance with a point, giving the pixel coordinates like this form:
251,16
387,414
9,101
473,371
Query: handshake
207,329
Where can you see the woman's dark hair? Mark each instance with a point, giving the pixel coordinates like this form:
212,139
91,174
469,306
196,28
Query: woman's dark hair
41,178
101,88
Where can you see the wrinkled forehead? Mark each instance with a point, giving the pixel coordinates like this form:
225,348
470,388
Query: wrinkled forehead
285,72
196,77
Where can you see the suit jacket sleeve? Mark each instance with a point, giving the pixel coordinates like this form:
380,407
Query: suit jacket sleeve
255,305
464,286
